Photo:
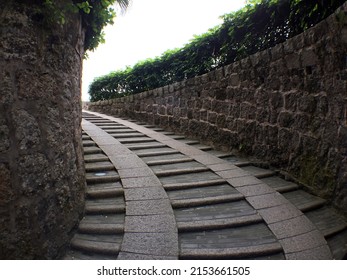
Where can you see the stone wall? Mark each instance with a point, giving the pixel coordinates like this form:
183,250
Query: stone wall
285,105
41,165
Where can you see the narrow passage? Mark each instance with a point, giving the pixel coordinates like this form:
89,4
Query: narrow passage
153,194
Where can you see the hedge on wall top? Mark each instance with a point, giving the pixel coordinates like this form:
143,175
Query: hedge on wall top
261,24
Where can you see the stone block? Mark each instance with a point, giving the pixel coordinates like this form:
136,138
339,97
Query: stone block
306,241
243,181
144,193
292,227
159,244
148,207
141,182
319,253
279,213
6,189
266,200
309,58
234,79
150,223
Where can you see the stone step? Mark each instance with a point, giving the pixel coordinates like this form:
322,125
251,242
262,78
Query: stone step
202,192
193,171
202,147
127,135
218,223
98,247
106,126
188,178
174,136
85,137
327,220
104,190
100,228
119,130
78,255
88,143
95,158
99,166
104,209
193,202
145,146
169,161
158,129
188,141
91,150
158,153
303,200
206,183
226,210
280,185
168,133
136,140
259,172
102,122
240,162
233,243
232,253
175,156
102,177
177,165
337,245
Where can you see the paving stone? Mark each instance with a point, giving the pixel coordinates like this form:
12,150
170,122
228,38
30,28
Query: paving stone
292,227
150,223
303,242
149,207
104,139
243,181
231,253
145,193
266,200
255,190
221,167
134,256
135,172
208,159
280,213
127,161
320,253
159,243
115,150
233,173
257,171
141,182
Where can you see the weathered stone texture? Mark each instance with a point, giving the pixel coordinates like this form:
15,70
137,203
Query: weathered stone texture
285,105
41,165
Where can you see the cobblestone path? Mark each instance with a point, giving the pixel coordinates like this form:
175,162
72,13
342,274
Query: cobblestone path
153,194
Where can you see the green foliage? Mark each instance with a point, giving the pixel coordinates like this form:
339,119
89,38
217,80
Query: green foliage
96,14
261,24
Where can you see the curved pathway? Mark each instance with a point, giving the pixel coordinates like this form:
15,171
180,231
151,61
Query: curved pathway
152,194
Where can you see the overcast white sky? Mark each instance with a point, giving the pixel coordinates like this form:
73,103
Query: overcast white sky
149,28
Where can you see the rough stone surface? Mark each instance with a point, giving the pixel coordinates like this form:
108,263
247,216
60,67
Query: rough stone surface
289,111
41,165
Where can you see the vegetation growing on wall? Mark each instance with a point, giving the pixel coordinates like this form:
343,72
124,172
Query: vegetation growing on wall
96,14
259,25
